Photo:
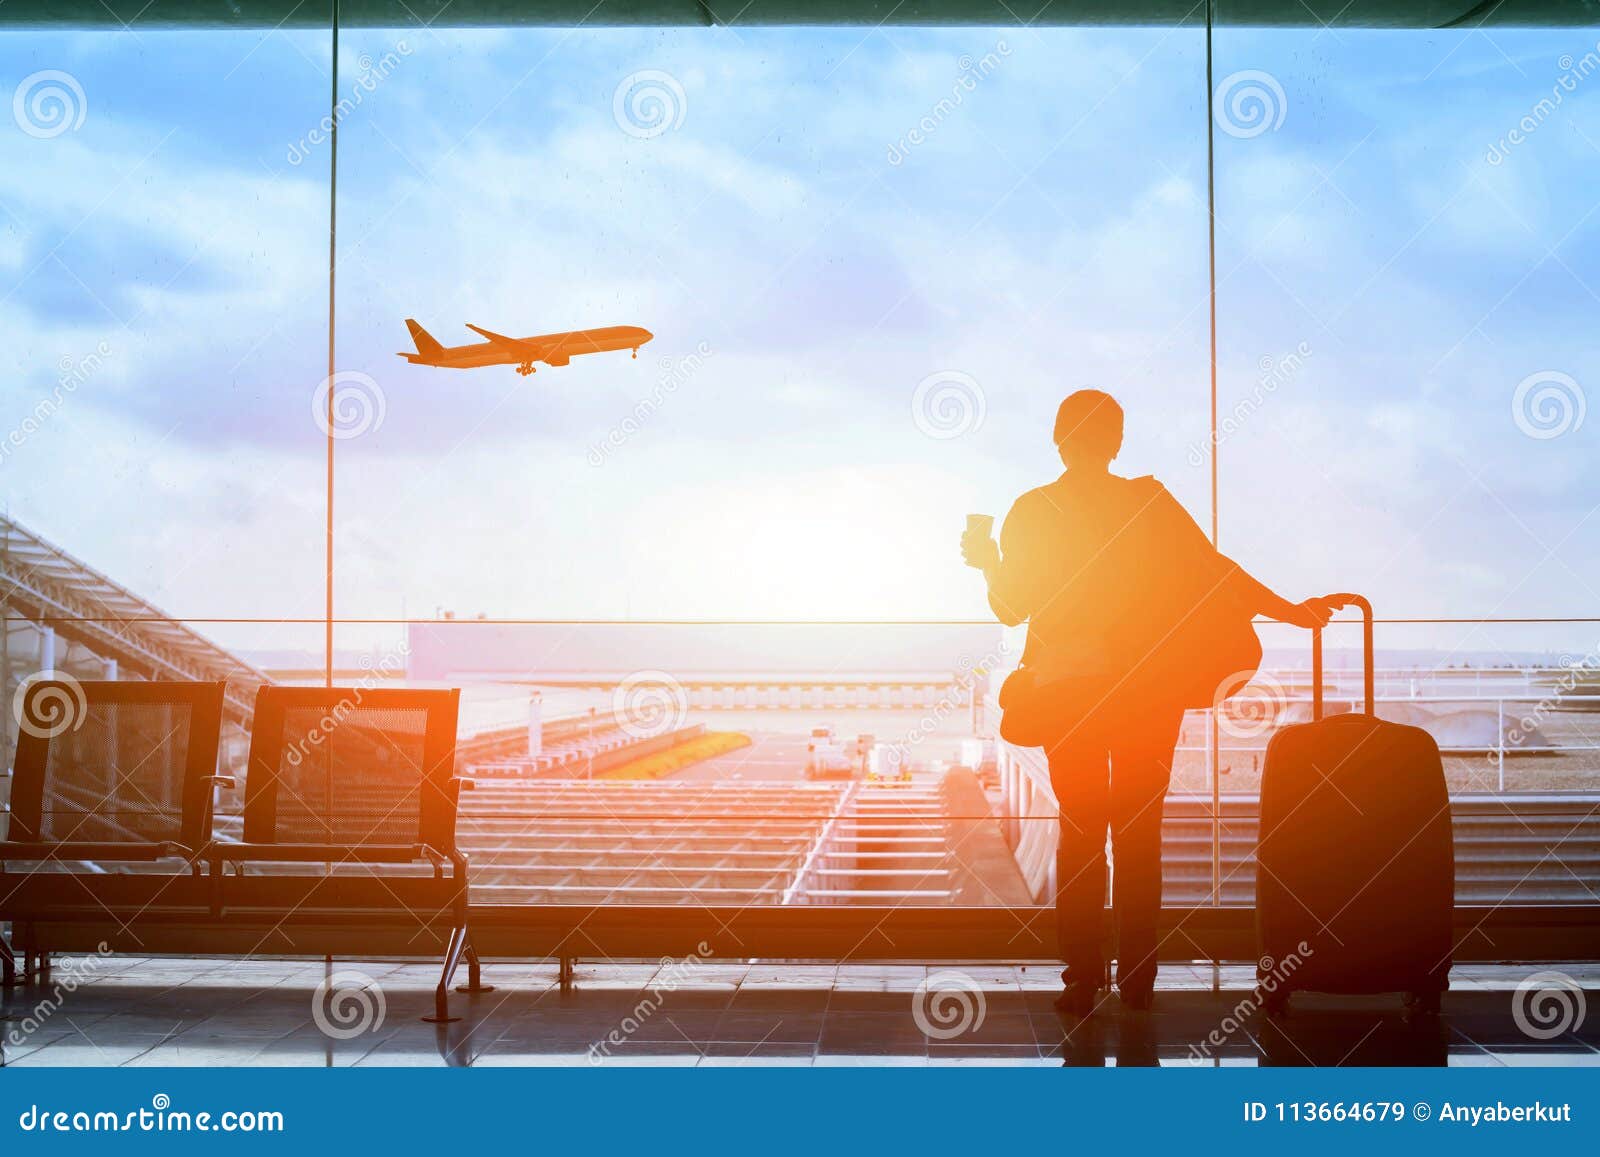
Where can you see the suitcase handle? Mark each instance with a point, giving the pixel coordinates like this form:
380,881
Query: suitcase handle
1368,663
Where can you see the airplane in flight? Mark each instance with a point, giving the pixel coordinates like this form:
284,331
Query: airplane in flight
553,349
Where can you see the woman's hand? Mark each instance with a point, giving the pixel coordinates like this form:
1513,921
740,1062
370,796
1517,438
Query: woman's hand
979,550
1313,614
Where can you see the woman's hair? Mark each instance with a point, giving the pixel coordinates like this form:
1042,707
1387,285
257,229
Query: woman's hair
1090,422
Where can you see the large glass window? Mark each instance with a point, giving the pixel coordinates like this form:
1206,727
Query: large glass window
864,265
872,262
164,313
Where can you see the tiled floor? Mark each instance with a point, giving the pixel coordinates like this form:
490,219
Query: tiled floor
164,1011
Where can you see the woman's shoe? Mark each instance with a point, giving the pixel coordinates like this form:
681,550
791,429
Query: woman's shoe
1077,1000
1137,999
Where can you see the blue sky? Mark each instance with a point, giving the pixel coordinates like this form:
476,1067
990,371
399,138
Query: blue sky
1048,232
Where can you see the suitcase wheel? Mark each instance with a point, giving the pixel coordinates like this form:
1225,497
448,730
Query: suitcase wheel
1275,1004
1423,1002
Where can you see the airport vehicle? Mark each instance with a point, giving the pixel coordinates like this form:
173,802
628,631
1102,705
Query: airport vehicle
1355,868
553,349
825,755
888,763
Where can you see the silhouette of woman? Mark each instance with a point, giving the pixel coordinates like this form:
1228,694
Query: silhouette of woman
1105,570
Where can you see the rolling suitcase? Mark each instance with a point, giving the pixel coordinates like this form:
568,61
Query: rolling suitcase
1355,864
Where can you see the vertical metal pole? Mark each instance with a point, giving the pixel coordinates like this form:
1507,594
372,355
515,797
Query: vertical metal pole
5,652
1213,737
1500,742
333,233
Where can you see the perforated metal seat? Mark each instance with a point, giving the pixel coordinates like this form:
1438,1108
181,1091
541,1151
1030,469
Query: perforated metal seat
110,780
349,827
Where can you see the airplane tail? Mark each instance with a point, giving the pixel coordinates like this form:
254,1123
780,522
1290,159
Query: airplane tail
426,345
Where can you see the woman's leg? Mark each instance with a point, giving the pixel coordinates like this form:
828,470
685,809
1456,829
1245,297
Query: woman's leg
1079,773
1141,766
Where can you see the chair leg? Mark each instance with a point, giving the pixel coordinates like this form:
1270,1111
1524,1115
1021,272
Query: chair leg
452,961
474,982
566,972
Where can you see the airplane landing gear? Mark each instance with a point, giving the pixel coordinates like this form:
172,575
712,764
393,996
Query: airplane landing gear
525,369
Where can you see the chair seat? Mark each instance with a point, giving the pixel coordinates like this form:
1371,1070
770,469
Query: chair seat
80,851
325,853
115,897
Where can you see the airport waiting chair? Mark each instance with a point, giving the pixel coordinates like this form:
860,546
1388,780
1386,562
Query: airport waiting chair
349,844
110,780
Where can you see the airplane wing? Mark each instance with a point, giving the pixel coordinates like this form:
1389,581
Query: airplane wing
511,344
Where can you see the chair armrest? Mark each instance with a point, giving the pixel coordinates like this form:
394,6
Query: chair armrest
75,851
321,853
